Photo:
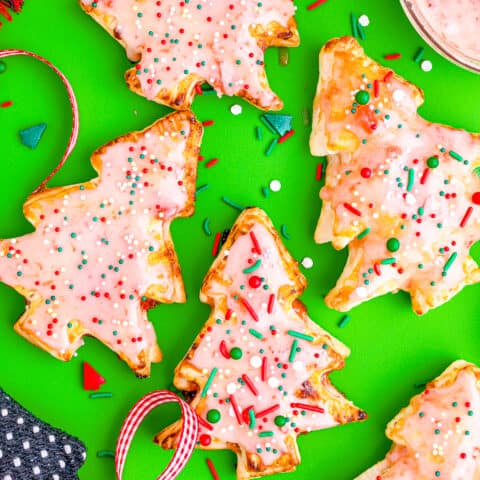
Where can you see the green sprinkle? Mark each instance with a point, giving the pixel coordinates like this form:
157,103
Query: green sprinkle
266,192
236,353
300,335
267,124
206,226
270,148
253,420
265,434
105,453
411,179
344,321
280,421
231,203
209,382
363,234
419,55
388,261
393,244
101,395
255,333
283,231
213,416
254,267
202,188
433,162
455,155
361,31
354,24
259,133
450,261
293,351
362,97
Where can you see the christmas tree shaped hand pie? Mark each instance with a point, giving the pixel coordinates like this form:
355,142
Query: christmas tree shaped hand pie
400,191
180,45
437,435
258,372
101,251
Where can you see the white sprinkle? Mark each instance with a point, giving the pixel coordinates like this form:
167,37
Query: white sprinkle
307,262
426,65
363,20
275,185
231,388
255,361
273,382
236,109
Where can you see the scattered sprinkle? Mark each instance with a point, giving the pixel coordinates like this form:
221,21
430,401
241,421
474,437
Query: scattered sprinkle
259,133
275,186
270,148
208,123
426,65
105,453
211,163
212,469
316,4
236,109
202,188
283,231
94,396
216,243
286,136
363,20
206,226
419,55
231,203
392,56
6,104
307,262
344,321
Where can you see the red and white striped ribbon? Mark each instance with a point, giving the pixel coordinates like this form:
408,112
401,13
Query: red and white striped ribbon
73,103
186,440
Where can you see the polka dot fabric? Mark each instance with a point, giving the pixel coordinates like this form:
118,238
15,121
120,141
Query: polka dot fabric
33,450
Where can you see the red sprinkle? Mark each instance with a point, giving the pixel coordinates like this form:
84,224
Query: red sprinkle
211,162
267,411
466,217
476,198
264,369
208,123
271,302
286,136
216,243
228,314
249,308
376,268
319,174
256,245
204,423
388,76
9,103
424,176
376,88
234,405
223,349
316,4
249,384
392,56
212,469
304,406
352,209
198,89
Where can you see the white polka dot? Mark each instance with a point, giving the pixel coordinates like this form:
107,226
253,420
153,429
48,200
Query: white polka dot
231,388
275,185
426,65
363,20
273,382
68,449
7,477
236,109
307,262
44,454
1,454
51,438
9,436
36,429
398,95
255,361
62,464
4,412
26,444
410,199
36,470
55,477
20,420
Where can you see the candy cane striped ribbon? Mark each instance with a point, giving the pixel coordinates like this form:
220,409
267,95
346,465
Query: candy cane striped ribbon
73,103
186,440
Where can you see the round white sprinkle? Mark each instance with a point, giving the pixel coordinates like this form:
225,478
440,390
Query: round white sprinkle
361,292
363,20
426,65
307,262
236,109
231,388
255,361
273,382
275,185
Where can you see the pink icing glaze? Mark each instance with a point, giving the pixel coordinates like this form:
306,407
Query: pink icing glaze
456,22
435,439
433,212
286,377
213,42
86,266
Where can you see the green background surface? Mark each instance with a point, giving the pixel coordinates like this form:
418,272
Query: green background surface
392,349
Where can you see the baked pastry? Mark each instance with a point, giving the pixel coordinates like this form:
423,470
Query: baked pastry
101,253
437,435
257,375
32,450
180,45
402,192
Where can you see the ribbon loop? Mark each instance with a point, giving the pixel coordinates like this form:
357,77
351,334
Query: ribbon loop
73,103
186,441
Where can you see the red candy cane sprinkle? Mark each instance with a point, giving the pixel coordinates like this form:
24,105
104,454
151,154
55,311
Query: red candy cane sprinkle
256,245
249,308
